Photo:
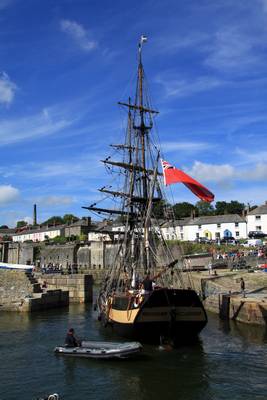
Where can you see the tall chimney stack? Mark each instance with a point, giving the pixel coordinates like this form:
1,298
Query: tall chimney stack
34,215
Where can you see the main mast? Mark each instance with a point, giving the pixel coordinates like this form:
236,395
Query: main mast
139,168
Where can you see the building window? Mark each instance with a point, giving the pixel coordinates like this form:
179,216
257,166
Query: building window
217,235
182,236
237,234
236,224
218,225
197,235
258,217
181,228
258,228
199,226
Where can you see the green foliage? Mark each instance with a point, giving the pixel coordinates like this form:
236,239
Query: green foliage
83,237
234,207
56,220
204,208
58,239
69,219
182,210
20,224
158,209
4,227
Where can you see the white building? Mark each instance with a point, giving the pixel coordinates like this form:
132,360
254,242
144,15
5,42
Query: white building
174,230
38,235
216,227
257,219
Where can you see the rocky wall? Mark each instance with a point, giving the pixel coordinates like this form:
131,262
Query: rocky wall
14,286
59,254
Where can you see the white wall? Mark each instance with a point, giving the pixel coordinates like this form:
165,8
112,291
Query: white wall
238,232
36,236
257,223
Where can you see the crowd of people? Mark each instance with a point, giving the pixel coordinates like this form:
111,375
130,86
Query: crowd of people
53,268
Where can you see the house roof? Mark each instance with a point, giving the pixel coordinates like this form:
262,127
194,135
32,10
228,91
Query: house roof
177,222
259,210
216,219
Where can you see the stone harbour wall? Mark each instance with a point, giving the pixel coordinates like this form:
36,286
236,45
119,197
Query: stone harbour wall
79,286
14,285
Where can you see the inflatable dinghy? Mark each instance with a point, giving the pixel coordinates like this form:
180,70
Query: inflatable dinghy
101,350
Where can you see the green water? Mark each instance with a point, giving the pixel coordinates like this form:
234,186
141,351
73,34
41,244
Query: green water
228,362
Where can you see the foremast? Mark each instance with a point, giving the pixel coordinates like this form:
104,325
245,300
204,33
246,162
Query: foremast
141,189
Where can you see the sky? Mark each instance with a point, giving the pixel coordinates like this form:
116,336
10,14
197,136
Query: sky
64,65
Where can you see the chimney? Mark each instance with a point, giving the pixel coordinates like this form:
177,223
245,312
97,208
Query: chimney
34,215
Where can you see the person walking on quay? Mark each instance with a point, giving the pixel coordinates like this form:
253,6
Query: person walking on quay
242,286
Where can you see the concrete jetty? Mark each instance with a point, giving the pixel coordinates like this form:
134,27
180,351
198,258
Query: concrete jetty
222,295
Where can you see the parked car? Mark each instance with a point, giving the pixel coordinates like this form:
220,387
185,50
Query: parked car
256,234
203,240
252,243
228,240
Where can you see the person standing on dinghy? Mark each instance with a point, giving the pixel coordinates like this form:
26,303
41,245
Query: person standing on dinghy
70,340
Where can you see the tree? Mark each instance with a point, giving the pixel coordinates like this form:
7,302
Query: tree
158,209
20,224
234,207
4,227
56,220
204,208
220,207
69,219
182,210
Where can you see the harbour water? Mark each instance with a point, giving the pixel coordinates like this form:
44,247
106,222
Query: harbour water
228,362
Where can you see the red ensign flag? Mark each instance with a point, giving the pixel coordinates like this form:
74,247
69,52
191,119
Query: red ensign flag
174,175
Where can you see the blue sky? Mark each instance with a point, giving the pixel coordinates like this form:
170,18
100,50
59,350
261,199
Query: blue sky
64,64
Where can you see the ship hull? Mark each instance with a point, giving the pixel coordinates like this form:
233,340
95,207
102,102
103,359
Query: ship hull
175,315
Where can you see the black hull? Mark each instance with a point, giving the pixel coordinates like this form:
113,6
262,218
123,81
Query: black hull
175,315
154,332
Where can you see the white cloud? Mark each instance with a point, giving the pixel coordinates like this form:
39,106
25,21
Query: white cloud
233,49
7,89
264,5
173,43
190,147
211,172
8,194
5,3
54,200
78,33
34,126
183,88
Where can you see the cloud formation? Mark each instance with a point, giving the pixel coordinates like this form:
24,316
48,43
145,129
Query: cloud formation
55,200
32,126
189,147
8,194
79,34
5,3
183,87
7,88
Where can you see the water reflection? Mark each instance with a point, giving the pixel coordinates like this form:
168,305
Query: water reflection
229,361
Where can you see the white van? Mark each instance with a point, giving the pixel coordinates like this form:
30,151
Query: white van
252,243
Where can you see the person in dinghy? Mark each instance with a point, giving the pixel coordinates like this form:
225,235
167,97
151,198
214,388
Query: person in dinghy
71,340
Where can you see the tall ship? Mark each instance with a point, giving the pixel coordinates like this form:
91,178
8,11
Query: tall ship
143,295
